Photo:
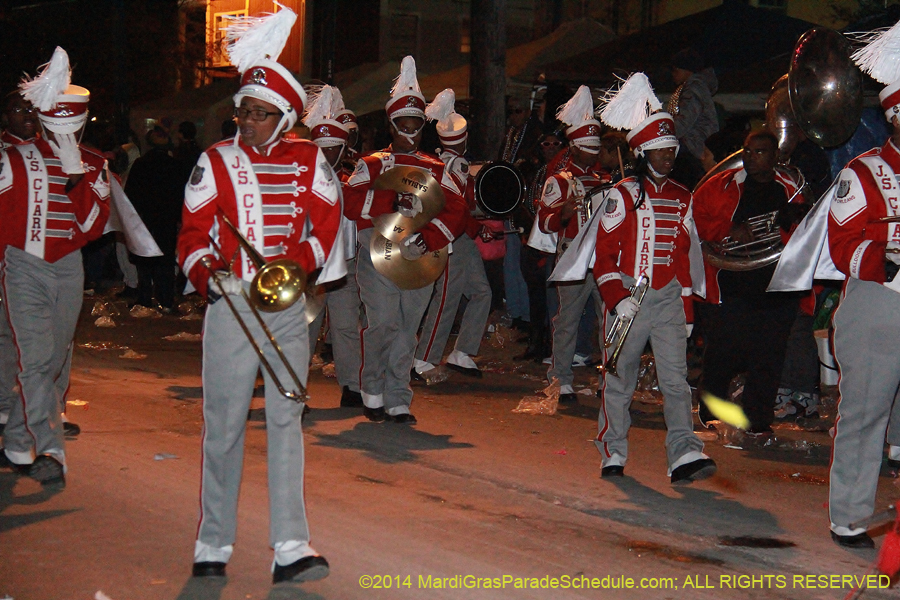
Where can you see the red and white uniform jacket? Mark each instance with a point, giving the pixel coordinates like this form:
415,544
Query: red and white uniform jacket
653,241
8,139
715,204
286,203
867,190
572,180
362,202
40,212
458,167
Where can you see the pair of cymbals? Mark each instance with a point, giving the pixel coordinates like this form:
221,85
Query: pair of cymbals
421,184
406,274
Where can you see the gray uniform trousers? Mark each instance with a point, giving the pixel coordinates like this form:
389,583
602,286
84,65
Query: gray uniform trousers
464,276
230,367
43,301
9,366
661,320
866,330
344,318
9,370
573,295
389,338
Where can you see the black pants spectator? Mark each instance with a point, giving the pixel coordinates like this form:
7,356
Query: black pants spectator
157,272
748,336
535,268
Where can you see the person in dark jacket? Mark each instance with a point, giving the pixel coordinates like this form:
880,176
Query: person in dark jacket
156,189
692,108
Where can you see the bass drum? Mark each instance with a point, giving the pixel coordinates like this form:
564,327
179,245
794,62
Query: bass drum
499,189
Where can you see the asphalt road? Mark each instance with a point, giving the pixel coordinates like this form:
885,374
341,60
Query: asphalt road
473,502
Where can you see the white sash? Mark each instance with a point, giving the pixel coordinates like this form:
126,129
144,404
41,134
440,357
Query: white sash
644,247
874,163
38,194
248,197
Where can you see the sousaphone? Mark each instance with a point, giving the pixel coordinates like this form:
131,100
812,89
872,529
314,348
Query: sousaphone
392,228
820,96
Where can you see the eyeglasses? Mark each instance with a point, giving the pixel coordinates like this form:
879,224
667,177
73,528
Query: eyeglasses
549,144
255,114
23,111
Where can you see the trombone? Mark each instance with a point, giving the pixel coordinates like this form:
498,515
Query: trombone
621,327
276,286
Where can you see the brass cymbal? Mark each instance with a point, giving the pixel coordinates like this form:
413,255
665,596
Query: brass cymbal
406,274
419,182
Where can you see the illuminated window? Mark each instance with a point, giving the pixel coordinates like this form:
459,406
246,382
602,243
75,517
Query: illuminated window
216,37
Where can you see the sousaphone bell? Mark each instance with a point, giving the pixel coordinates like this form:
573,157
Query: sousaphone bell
821,96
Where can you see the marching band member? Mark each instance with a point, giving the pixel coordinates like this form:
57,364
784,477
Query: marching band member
565,209
341,300
347,118
283,197
464,275
645,230
54,196
21,126
393,314
864,248
750,328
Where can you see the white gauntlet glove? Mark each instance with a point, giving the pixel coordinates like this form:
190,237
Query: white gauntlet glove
413,247
892,252
627,308
66,150
689,328
229,284
408,204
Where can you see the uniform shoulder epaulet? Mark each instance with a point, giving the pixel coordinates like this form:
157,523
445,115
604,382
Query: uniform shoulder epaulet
93,151
219,144
680,185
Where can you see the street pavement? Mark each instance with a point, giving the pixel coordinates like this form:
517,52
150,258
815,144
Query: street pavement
472,502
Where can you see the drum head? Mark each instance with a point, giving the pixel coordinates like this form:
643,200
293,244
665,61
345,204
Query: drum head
499,188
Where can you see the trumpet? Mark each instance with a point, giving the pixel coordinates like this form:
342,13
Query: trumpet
621,327
275,287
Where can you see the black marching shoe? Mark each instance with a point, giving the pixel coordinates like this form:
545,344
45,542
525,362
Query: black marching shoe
694,471
612,471
403,419
208,569
71,429
308,568
568,399
16,468
416,376
467,371
860,540
374,414
350,399
47,470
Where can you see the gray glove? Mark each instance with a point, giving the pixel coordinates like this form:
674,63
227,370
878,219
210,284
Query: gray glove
408,204
627,308
413,247
66,150
229,283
